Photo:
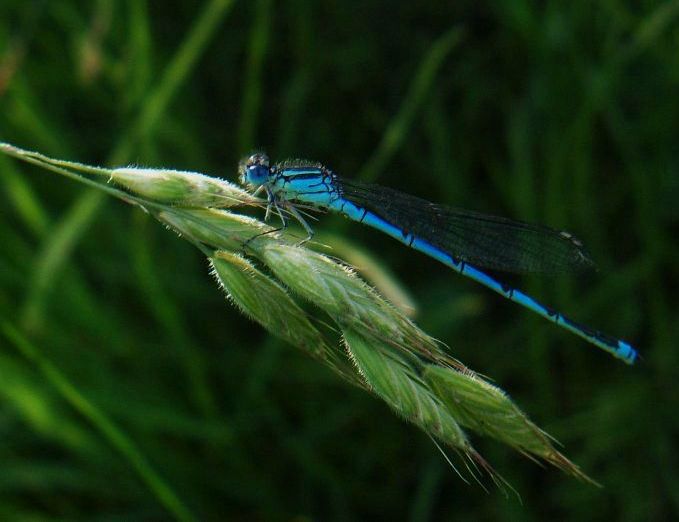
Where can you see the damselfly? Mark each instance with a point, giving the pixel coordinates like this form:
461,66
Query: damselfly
460,239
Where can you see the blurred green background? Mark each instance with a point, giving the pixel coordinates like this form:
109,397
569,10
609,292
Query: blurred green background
564,113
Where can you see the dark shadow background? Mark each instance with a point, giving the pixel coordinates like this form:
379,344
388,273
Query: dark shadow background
564,113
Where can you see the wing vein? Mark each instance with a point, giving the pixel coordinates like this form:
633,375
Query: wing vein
479,239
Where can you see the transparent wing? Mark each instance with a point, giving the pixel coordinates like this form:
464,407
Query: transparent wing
481,240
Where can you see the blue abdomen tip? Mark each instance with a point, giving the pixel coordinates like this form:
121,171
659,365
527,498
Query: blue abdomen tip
628,353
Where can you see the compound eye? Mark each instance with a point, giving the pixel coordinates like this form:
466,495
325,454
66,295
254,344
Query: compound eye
254,170
258,174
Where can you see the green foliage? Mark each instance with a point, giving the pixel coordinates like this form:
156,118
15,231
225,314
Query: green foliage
130,390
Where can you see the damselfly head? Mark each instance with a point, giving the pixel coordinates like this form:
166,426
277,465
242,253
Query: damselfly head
254,170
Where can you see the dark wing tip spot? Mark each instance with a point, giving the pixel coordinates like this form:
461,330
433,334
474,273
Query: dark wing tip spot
581,258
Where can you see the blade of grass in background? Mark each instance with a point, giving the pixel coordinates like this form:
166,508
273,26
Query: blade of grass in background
58,248
116,437
397,130
252,79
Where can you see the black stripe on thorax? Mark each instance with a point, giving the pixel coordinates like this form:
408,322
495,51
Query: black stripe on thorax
309,175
